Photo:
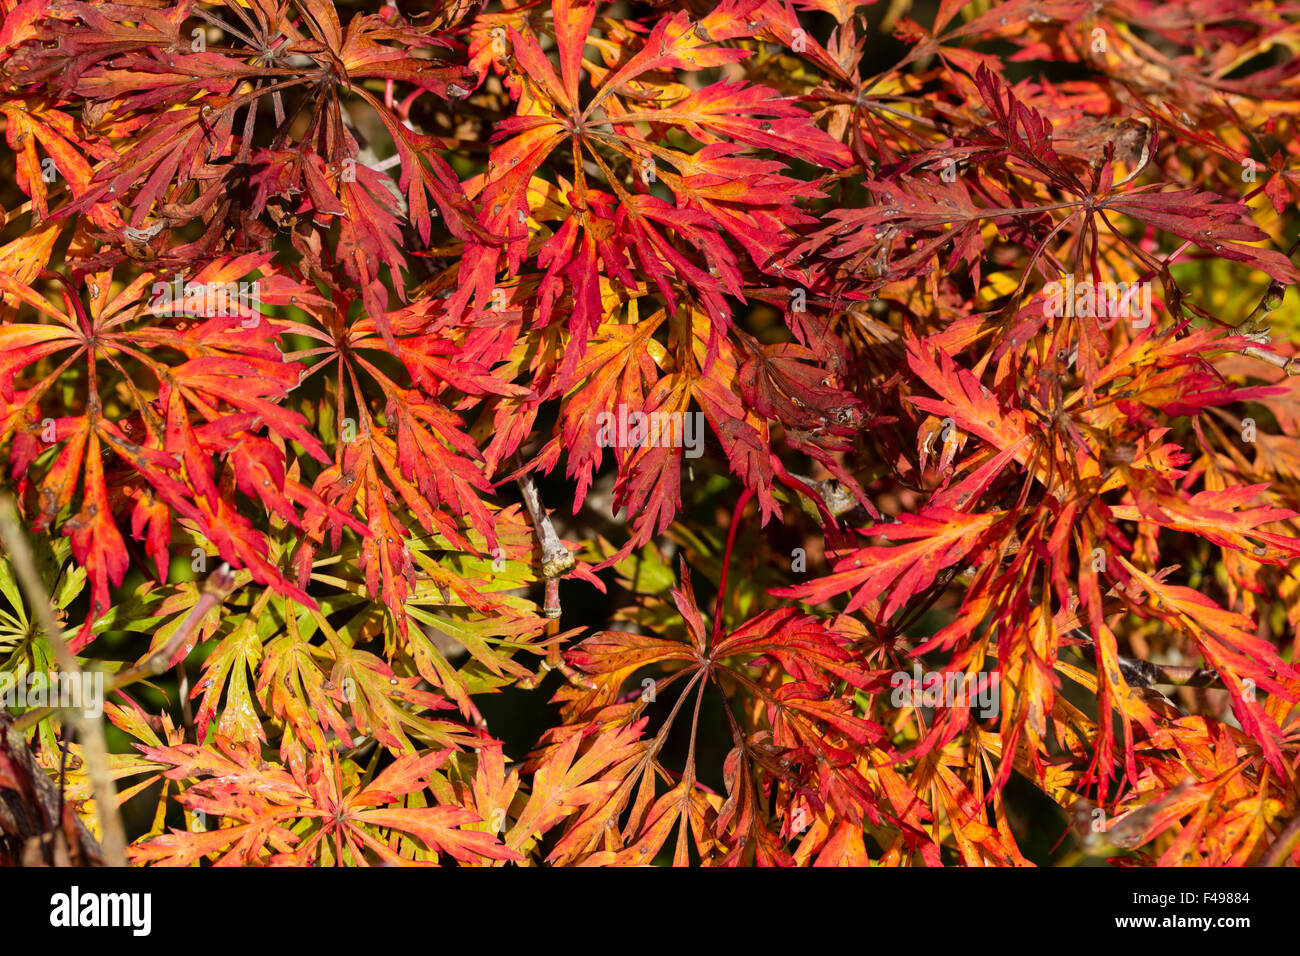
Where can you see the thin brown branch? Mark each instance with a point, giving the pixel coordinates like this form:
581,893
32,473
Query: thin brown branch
215,591
556,560
1282,848
90,729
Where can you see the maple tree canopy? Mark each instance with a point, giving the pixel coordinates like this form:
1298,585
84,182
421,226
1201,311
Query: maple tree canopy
848,418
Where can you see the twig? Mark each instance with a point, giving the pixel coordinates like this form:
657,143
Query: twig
1253,327
1280,850
556,559
838,499
556,662
1287,364
215,591
1137,672
90,730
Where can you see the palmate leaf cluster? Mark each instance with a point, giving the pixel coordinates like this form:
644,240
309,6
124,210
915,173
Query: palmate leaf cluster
826,232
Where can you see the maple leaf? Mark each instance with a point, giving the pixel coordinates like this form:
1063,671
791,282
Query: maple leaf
628,232
210,403
812,729
343,824
937,538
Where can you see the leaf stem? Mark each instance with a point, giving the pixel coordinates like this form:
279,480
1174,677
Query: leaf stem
726,561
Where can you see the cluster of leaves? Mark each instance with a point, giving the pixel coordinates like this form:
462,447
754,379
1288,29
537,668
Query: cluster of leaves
475,234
